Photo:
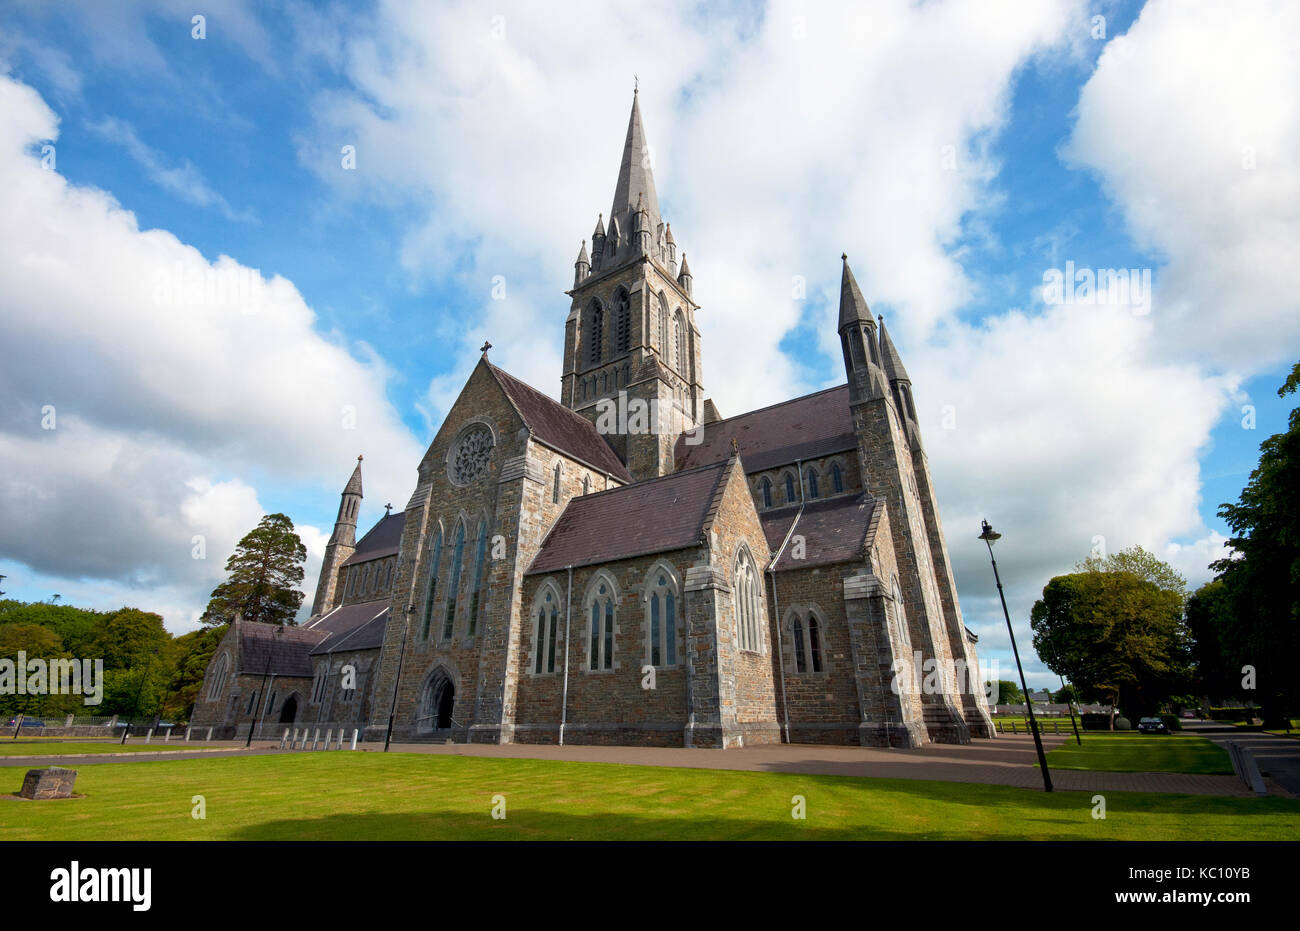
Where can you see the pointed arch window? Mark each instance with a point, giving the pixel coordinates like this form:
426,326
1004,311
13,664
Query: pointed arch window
600,630
767,492
555,484
662,621
813,490
900,620
748,601
453,582
586,484
789,488
622,322
435,563
218,681
663,327
837,478
547,623
480,566
806,637
597,337
679,343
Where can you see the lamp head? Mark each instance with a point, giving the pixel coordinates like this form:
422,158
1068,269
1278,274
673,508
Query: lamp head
989,536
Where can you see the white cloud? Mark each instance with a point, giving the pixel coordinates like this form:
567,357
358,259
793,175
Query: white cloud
1192,125
170,402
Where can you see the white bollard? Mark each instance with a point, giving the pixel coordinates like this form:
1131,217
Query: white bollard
209,733
329,735
293,744
285,738
187,732
315,738
168,738
148,738
354,738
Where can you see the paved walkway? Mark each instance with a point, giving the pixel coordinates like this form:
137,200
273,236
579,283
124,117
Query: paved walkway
1008,760
1278,757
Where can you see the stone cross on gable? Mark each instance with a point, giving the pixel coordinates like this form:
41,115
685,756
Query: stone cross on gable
388,509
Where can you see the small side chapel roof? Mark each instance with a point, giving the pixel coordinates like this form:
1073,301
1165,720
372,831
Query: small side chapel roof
834,530
381,540
654,516
352,627
264,651
557,426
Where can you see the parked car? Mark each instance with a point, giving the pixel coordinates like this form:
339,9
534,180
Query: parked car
1188,714
1152,726
27,722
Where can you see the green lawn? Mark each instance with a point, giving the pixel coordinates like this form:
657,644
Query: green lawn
1141,753
80,747
374,796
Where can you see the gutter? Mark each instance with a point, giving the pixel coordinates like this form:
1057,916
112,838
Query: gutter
564,700
776,604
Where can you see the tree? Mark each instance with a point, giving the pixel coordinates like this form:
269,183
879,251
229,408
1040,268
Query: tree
1065,695
1217,641
1262,572
1116,633
1008,693
263,571
194,650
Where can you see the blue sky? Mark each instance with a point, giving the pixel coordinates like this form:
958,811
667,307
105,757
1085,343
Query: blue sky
783,137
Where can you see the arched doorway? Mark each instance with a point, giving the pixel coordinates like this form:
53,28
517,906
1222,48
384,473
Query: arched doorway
439,701
289,710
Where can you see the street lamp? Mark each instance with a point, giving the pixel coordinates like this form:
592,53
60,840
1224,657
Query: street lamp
989,536
401,658
261,696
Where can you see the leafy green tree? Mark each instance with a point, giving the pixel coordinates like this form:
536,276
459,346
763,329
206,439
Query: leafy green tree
1262,573
1008,693
1116,634
1068,694
194,650
263,571
1218,642
34,642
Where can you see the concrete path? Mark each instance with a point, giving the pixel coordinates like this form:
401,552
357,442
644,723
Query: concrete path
1009,760
1278,757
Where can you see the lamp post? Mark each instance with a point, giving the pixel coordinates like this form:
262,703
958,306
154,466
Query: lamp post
1069,701
261,695
989,536
401,658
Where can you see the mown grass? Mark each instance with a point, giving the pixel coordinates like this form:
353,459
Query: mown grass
374,796
1141,753
21,747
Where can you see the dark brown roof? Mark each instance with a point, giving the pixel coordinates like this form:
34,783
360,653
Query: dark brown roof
263,651
381,540
557,426
804,428
352,627
834,530
654,516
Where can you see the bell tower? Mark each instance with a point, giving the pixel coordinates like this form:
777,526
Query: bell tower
631,346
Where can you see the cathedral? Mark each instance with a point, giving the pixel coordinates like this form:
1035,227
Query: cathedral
626,565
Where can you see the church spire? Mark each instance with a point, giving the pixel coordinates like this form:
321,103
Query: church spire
635,177
901,386
857,330
893,362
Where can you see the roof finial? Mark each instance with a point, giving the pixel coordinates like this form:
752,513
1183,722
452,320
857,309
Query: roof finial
486,345
388,510
735,447
636,84
359,458
844,256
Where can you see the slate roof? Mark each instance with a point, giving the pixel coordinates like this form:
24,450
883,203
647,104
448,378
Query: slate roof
814,425
834,530
351,627
557,426
381,540
653,516
264,651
